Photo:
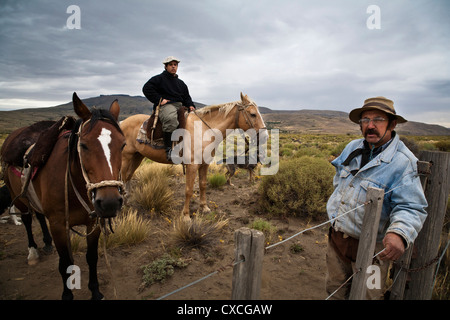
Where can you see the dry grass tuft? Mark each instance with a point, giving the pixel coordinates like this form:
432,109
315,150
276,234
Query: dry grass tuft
129,229
197,233
152,191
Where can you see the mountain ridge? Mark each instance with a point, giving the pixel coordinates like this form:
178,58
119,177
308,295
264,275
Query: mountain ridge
295,121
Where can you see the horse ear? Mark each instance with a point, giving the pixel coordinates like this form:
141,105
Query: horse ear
80,108
115,109
244,98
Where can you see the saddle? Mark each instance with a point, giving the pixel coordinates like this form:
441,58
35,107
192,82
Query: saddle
35,142
145,134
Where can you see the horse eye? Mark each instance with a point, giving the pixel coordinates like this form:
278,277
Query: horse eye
83,146
253,115
123,147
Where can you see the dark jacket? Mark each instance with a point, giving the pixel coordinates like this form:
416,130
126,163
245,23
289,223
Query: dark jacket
168,87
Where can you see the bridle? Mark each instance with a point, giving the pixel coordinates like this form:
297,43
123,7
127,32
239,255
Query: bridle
243,109
90,187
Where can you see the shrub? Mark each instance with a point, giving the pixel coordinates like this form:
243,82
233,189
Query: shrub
443,145
217,180
301,187
160,269
265,227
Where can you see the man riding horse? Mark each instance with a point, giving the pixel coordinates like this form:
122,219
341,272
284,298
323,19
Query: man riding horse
170,93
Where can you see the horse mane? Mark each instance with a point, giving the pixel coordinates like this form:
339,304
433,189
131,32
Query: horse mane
224,108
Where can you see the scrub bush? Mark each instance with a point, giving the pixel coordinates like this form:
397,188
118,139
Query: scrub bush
301,187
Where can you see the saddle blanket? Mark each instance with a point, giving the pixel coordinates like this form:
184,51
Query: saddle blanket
143,138
30,193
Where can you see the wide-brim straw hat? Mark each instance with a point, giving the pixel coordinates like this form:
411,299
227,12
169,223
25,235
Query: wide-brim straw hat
378,103
170,59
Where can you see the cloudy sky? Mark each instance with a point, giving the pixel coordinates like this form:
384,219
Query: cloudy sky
285,54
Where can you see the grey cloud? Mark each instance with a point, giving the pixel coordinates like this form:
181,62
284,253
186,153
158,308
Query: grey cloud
288,53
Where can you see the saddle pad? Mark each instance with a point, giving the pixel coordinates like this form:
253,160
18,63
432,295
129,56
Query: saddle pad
142,137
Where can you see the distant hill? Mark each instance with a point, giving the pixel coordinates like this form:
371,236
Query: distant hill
298,121
337,122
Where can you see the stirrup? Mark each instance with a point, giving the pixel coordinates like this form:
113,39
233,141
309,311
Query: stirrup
169,154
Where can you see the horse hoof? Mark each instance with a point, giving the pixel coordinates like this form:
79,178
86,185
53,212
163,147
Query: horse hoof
97,296
33,256
205,209
48,249
67,296
32,262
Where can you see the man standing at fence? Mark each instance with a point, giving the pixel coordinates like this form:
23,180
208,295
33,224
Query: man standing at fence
171,93
382,161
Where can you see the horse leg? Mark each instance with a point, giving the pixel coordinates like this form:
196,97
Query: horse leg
202,172
65,258
130,162
129,165
33,256
191,170
48,248
92,258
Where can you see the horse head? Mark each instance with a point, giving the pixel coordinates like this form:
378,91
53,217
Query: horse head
100,142
249,117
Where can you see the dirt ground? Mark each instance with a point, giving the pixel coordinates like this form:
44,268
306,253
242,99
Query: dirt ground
286,275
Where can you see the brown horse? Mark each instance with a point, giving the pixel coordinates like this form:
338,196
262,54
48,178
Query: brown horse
79,184
217,119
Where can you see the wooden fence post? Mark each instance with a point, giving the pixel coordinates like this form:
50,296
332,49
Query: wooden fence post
400,275
367,240
427,242
247,275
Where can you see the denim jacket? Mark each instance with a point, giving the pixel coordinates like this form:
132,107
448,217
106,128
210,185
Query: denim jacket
395,168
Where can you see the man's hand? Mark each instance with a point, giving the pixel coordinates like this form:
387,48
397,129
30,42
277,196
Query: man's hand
191,108
394,247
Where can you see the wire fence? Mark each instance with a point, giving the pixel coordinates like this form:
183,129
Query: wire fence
231,265
266,248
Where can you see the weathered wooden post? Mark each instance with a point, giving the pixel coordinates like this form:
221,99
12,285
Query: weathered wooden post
367,240
427,242
247,275
402,264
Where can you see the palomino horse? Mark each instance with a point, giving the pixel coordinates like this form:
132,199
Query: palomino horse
242,114
79,184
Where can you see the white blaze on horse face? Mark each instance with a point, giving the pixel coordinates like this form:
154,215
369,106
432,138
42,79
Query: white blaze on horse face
105,140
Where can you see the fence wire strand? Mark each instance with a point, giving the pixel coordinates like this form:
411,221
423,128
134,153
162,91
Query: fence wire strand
271,246
317,226
349,278
201,279
281,242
